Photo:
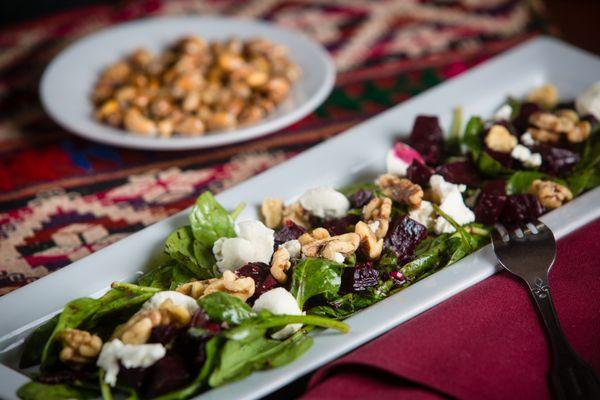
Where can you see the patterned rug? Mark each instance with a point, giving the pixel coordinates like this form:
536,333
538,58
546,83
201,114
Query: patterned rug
62,198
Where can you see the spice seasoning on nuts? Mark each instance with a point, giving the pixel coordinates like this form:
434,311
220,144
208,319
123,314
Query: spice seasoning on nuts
193,87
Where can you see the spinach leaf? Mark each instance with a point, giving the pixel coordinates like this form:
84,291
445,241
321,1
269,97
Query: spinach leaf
313,276
182,247
34,344
471,137
520,181
490,167
584,180
211,350
166,277
41,391
223,307
515,105
209,221
239,358
428,256
355,187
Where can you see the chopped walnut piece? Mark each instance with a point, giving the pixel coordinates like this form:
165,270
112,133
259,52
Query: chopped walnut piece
240,287
542,135
569,114
297,215
550,194
369,244
79,347
280,264
500,139
546,96
318,243
272,211
378,211
400,189
580,133
551,122
138,328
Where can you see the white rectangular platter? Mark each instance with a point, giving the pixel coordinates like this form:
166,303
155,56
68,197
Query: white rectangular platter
355,155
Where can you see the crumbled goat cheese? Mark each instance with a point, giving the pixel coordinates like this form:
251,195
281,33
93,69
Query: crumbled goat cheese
451,202
279,302
423,214
504,113
524,155
115,353
400,157
325,202
373,226
588,102
178,299
338,258
254,244
293,247
527,139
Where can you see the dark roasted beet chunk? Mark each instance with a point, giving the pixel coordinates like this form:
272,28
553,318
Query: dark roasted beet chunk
360,198
165,334
357,279
503,158
169,373
199,319
339,226
65,376
419,173
521,121
133,377
263,280
490,202
556,160
289,231
520,208
428,139
460,172
403,237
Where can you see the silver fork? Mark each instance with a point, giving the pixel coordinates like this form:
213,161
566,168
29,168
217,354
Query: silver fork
528,251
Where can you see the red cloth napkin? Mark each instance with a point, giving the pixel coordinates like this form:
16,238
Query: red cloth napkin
484,343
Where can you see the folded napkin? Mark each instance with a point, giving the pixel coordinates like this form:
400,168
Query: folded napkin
484,343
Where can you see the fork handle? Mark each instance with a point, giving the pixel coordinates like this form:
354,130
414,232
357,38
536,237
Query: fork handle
571,377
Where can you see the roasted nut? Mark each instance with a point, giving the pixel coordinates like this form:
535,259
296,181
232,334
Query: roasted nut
138,328
551,122
136,122
116,73
400,189
272,211
251,115
580,133
542,135
550,194
257,78
378,211
335,248
240,287
190,126
500,139
110,112
165,128
280,264
79,347
546,96
277,89
296,214
369,244
569,114
221,121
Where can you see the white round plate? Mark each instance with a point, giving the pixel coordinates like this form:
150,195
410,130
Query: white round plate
68,81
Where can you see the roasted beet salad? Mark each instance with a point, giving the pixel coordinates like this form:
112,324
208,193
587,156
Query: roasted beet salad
234,297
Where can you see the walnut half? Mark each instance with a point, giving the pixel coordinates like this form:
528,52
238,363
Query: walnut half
400,189
550,194
369,244
240,287
378,211
280,264
79,347
318,243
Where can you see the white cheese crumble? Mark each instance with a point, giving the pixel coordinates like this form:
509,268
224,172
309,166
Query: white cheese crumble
588,102
279,302
254,244
524,155
178,299
423,214
451,202
504,113
527,139
325,202
129,355
293,247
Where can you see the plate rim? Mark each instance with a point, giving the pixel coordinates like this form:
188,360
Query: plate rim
120,138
